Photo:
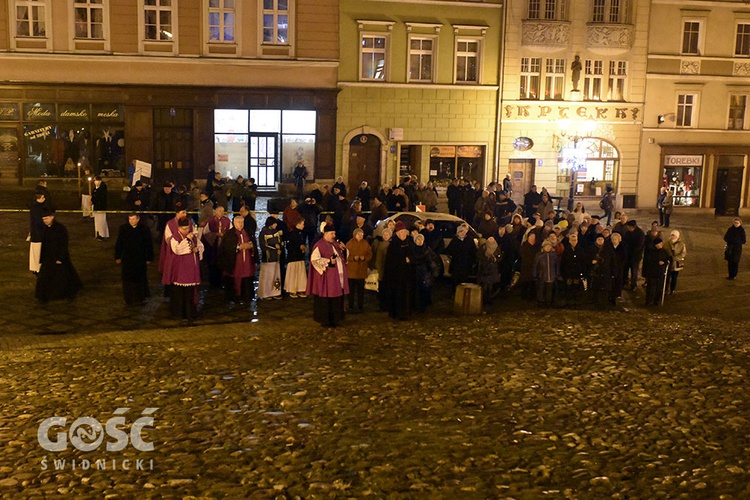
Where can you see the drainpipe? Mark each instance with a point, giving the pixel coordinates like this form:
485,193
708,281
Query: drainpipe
498,113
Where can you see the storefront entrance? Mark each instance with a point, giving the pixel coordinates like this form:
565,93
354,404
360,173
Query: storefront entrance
364,163
728,194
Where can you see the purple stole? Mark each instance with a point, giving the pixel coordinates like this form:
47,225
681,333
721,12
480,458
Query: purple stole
329,283
244,266
165,253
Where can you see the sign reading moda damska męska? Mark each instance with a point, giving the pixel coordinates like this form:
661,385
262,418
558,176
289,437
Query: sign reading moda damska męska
683,160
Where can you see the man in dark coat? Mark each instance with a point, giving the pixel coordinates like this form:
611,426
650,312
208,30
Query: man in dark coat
635,239
655,270
137,198
400,273
134,250
166,201
531,201
58,278
734,238
453,192
379,210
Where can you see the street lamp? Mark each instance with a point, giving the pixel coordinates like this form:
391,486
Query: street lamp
575,157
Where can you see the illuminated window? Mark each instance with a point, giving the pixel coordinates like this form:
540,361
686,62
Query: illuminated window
89,19
158,19
554,77
618,74
276,21
592,81
373,52
531,74
221,15
548,10
737,106
30,18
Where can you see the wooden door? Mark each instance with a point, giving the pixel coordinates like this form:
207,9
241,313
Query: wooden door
522,177
173,146
364,164
728,194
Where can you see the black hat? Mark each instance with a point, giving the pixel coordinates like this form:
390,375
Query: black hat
429,221
183,222
138,183
47,211
329,227
271,221
658,240
631,223
381,198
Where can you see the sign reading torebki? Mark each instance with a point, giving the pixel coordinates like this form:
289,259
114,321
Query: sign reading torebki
683,160
618,112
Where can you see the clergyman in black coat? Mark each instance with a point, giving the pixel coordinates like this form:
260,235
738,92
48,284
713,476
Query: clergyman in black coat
57,278
134,250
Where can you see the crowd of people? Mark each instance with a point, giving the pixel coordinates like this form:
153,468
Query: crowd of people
324,244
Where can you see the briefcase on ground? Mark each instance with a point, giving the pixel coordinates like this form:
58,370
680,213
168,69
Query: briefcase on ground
468,299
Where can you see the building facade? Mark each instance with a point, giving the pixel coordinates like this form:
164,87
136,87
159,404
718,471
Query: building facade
696,132
572,98
180,84
419,92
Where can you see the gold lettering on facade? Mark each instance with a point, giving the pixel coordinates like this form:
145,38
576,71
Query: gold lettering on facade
508,111
621,112
74,114
38,113
581,111
544,111
108,114
635,113
562,112
523,110
601,113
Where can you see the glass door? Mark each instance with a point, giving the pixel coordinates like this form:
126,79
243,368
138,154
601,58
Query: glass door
264,155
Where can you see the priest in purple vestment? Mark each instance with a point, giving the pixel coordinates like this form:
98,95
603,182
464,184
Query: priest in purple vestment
327,279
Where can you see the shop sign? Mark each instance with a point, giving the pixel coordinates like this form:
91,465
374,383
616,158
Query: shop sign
108,113
8,112
74,112
37,133
443,152
36,112
683,160
470,151
603,112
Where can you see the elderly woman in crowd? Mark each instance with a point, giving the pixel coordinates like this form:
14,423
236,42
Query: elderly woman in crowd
359,255
676,249
463,252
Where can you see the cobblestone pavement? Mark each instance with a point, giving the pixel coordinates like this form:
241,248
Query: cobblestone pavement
258,401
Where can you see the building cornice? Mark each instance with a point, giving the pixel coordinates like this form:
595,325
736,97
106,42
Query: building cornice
475,4
700,3
436,86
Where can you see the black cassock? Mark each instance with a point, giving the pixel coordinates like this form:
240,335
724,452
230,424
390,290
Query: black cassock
56,281
135,248
400,278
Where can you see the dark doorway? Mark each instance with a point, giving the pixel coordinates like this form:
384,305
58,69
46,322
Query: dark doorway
364,163
173,146
728,191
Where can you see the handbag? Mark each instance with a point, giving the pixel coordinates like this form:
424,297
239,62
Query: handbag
678,265
371,282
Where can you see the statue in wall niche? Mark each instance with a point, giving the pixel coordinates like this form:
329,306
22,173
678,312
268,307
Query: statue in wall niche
575,68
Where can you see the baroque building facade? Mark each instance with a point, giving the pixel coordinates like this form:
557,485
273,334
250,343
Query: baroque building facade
249,87
696,127
573,92
419,90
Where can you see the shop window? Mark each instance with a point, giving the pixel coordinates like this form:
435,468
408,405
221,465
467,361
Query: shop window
685,184
265,144
221,18
449,162
586,164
